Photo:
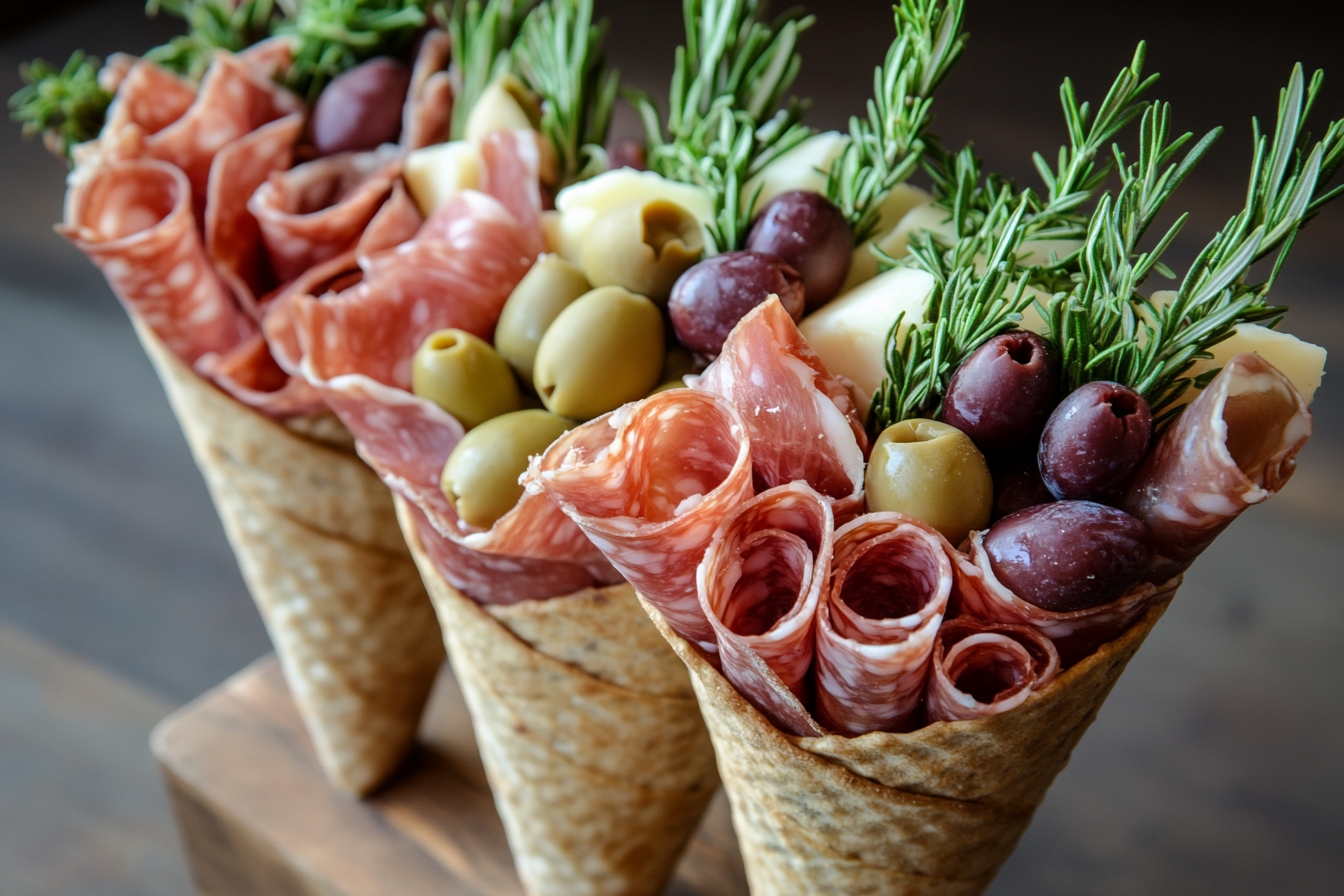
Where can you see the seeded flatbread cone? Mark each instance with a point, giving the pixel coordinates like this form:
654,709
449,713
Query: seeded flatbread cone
935,812
589,730
316,537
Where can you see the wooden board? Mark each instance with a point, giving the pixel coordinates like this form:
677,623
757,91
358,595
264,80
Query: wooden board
257,818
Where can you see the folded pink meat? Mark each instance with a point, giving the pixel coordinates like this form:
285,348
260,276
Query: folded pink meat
984,668
1232,447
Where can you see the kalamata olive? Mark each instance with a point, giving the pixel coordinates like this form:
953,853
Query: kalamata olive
810,233
1068,556
1017,482
481,476
361,108
549,287
1003,393
626,154
462,374
604,349
933,472
713,296
643,246
1094,440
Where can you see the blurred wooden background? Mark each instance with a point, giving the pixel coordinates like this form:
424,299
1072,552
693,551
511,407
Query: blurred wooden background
1213,769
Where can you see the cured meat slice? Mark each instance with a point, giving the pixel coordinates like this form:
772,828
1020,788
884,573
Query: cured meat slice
134,220
250,374
650,483
803,422
891,579
270,58
232,237
1232,447
317,210
1076,633
150,97
985,668
511,172
759,585
427,114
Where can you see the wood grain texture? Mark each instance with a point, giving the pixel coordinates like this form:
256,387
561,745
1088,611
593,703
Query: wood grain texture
257,818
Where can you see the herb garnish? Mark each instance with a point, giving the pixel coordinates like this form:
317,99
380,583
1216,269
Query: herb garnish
211,25
336,35
482,38
66,106
724,121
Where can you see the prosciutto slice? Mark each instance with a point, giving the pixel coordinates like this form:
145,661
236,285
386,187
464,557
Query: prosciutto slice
319,209
891,579
1076,633
759,585
134,219
427,114
250,374
1232,447
985,668
802,421
650,484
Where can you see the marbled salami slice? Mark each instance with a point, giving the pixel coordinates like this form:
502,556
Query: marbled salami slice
511,172
1076,634
317,210
250,374
985,668
427,115
802,421
149,97
759,585
891,579
1232,447
650,483
135,221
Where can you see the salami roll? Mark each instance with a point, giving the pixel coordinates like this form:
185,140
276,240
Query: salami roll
759,585
426,116
650,483
891,579
1232,447
134,220
149,97
802,421
985,668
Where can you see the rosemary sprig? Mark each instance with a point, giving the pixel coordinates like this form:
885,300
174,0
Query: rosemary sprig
559,55
66,106
336,35
212,25
885,148
483,37
725,121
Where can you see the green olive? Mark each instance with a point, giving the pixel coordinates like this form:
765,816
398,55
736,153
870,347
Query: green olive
603,350
548,288
481,476
462,374
644,245
933,472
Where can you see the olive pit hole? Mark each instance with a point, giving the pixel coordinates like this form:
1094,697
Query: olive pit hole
1021,351
666,223
443,341
1122,404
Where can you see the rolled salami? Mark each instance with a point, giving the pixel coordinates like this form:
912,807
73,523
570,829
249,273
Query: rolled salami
985,668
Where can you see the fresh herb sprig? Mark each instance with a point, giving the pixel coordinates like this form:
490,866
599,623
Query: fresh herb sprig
725,120
211,25
885,148
483,38
559,55
336,35
66,105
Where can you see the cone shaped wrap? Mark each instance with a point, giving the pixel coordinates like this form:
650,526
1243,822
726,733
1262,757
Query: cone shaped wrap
316,537
590,734
935,811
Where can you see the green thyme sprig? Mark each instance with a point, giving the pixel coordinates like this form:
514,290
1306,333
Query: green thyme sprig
334,36
66,106
727,118
483,38
885,148
211,25
559,55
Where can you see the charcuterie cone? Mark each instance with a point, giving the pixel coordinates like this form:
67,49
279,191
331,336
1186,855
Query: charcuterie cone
935,811
590,734
315,534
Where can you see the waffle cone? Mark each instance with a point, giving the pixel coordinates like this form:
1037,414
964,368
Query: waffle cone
316,538
589,731
935,811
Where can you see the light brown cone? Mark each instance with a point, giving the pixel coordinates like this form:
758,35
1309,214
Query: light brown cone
316,538
591,737
935,811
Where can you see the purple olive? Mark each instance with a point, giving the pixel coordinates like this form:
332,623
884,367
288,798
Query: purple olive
810,233
626,154
710,298
1068,556
1003,393
1094,441
1017,482
361,108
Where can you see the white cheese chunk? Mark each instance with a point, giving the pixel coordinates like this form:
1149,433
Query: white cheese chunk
905,210
497,109
437,173
1302,362
802,168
